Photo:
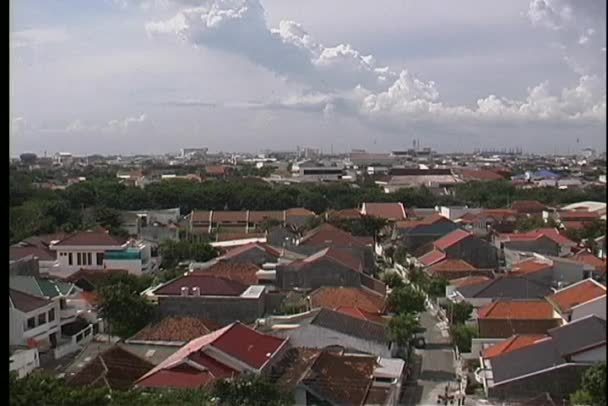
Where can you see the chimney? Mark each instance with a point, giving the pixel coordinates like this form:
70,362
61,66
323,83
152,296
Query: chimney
196,291
184,291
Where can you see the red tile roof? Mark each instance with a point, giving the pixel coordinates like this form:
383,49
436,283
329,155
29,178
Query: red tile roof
528,206
517,309
469,280
331,298
452,238
479,174
432,219
98,237
25,302
531,265
236,340
299,212
326,234
514,343
451,265
259,216
208,285
361,314
388,211
43,254
201,216
344,214
224,216
238,236
550,233
581,292
573,225
217,169
578,215
588,258
251,246
176,328
243,272
432,257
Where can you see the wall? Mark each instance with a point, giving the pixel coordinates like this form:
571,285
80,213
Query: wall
478,252
567,271
63,260
133,266
479,344
541,246
223,310
18,321
559,383
504,328
597,307
24,361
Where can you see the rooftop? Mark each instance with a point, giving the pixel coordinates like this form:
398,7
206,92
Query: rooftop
208,285
387,211
578,293
25,302
175,329
452,238
515,342
517,309
242,272
334,297
95,237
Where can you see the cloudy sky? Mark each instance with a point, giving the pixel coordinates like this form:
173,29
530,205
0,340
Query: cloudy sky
153,76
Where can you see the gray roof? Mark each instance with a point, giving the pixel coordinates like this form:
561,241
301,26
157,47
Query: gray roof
351,326
579,335
568,339
511,287
525,361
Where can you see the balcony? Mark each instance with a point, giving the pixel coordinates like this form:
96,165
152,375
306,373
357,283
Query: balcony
68,313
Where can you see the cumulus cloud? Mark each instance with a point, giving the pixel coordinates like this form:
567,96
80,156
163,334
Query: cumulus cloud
126,123
342,79
37,37
117,125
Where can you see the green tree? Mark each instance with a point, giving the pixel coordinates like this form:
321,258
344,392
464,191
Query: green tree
251,390
400,255
402,328
462,336
123,307
458,313
174,252
593,387
392,279
436,286
525,224
406,300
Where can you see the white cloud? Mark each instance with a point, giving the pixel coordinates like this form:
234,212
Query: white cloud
37,37
343,79
116,125
126,123
18,124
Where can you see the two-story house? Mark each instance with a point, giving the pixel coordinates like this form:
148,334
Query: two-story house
34,321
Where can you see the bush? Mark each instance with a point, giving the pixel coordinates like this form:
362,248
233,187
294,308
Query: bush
462,336
406,300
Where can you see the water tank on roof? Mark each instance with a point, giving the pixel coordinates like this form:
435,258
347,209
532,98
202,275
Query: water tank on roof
196,291
184,291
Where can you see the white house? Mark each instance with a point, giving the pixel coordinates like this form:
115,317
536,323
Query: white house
580,300
33,321
24,360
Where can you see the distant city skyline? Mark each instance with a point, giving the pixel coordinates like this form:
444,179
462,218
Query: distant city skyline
153,76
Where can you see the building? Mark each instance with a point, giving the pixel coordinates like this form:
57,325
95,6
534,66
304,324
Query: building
34,321
461,244
503,318
412,234
215,298
153,225
580,300
546,241
224,353
386,211
23,360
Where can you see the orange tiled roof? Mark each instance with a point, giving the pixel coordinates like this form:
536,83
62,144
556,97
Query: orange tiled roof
451,264
513,343
332,298
588,258
581,292
517,309
469,280
361,314
531,265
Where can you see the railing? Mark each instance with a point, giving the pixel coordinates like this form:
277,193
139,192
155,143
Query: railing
68,312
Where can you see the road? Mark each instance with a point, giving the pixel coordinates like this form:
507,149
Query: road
433,367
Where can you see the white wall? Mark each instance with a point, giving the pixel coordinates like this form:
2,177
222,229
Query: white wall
18,335
24,361
596,307
63,260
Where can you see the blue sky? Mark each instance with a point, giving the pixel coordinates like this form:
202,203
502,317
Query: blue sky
152,76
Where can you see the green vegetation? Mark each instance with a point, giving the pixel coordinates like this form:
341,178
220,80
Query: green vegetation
402,328
462,336
593,387
392,279
40,388
525,224
458,313
174,252
406,299
590,231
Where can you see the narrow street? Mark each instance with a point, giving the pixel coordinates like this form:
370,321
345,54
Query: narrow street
432,367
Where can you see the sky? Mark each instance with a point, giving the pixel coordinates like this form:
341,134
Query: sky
153,76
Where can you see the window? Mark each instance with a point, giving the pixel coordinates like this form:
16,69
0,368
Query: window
51,315
31,323
79,259
89,258
41,319
99,258
70,260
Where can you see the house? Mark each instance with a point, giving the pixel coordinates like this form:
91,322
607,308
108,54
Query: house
33,320
98,249
257,253
116,368
23,360
503,318
413,234
242,272
386,211
37,247
579,300
546,241
358,302
327,235
553,364
456,268
599,265
211,297
461,244
477,175
528,208
328,267
224,353
503,287
218,171
493,220
323,328
152,225
318,377
550,270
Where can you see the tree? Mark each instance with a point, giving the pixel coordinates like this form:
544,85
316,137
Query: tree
462,336
392,279
372,226
436,286
401,328
458,313
400,255
593,387
121,304
252,390
174,252
525,224
406,300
